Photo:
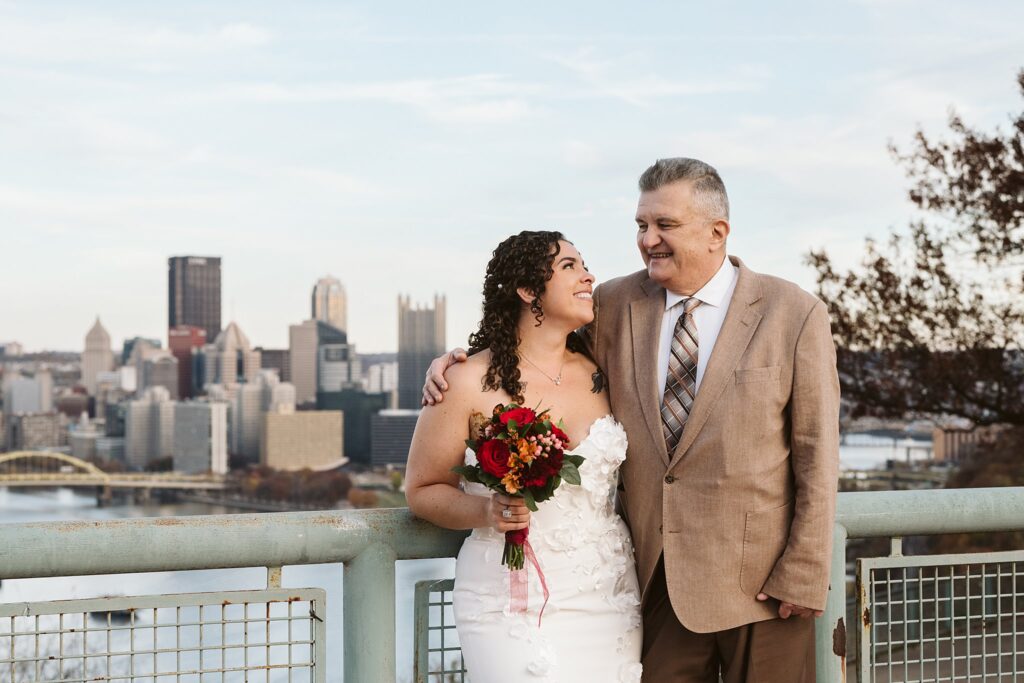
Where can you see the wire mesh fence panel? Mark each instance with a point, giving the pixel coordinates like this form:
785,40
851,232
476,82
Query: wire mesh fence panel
942,618
438,657
274,635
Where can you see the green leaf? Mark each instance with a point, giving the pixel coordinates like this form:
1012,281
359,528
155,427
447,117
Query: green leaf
577,460
468,472
570,473
490,481
528,498
471,444
541,496
512,426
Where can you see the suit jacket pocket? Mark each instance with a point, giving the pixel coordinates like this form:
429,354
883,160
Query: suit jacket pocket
772,372
765,534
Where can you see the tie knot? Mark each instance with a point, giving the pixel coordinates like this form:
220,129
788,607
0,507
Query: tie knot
690,304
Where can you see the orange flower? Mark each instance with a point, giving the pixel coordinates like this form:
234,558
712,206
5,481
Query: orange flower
526,451
511,482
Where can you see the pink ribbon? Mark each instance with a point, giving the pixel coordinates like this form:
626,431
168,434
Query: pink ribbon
519,585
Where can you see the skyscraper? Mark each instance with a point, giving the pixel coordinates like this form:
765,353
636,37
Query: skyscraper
330,303
149,428
302,351
359,408
276,359
193,293
128,353
184,341
421,338
161,371
391,435
229,360
28,394
153,366
320,359
201,437
251,401
97,357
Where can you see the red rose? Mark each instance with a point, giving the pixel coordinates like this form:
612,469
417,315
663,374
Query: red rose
520,415
517,537
493,458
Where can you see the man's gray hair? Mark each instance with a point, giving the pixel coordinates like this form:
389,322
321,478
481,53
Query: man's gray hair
708,188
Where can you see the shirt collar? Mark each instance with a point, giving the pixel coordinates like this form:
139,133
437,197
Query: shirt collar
713,292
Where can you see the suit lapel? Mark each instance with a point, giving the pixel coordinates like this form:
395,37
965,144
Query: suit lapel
741,321
645,315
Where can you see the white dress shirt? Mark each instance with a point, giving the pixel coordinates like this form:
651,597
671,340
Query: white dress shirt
708,317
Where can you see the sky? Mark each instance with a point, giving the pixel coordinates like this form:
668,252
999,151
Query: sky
394,144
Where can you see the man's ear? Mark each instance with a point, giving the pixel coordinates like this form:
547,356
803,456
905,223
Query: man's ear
719,232
525,295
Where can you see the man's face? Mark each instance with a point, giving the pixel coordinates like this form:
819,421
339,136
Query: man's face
676,240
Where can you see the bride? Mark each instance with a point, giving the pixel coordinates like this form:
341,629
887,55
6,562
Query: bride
536,292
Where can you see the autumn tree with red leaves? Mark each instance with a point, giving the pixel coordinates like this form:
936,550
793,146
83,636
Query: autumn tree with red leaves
933,321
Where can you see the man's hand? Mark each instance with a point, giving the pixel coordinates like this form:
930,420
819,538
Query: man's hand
788,609
434,385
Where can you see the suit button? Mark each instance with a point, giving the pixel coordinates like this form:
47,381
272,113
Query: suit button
669,479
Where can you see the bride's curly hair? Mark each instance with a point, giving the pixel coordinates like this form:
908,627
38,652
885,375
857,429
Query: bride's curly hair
522,260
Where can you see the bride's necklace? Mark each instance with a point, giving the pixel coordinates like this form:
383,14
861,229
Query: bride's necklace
557,379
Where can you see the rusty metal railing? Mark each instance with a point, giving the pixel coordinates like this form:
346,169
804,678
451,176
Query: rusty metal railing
887,654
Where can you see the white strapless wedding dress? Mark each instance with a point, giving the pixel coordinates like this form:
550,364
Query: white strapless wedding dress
591,626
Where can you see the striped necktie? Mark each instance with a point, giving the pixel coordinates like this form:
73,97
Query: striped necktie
681,381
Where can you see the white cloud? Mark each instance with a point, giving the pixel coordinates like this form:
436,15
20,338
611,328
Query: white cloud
617,78
481,98
89,39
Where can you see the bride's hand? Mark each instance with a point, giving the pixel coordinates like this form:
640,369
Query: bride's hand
497,505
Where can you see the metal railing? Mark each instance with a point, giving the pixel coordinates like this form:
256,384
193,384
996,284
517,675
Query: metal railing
369,543
236,635
942,618
438,656
888,652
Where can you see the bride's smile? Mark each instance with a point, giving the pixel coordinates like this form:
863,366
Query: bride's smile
568,294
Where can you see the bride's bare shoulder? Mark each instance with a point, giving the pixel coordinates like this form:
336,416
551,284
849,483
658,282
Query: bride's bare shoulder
466,379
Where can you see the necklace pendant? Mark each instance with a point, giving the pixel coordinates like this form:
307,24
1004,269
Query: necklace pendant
558,381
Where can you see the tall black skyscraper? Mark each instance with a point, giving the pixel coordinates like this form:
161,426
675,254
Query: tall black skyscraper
420,340
193,293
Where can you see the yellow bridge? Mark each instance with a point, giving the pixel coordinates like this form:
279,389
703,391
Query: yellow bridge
45,468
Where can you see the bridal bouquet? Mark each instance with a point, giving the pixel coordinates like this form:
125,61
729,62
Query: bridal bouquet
520,452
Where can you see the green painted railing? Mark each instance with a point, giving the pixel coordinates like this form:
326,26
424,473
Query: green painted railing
895,514
369,542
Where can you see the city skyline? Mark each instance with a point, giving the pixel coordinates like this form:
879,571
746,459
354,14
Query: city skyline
396,151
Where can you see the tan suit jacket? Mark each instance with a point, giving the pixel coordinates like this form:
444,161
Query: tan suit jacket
746,503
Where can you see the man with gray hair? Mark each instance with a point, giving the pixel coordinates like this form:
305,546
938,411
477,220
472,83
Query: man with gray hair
725,380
